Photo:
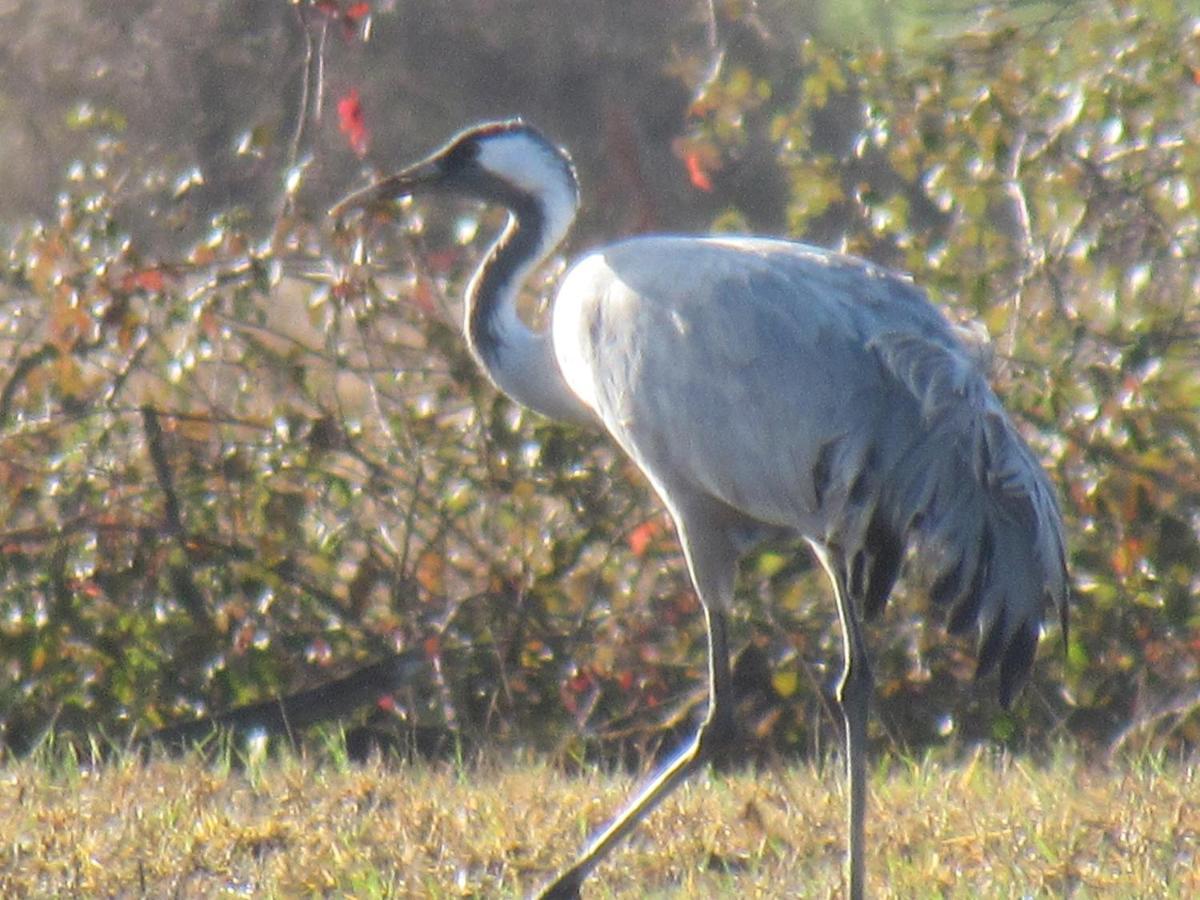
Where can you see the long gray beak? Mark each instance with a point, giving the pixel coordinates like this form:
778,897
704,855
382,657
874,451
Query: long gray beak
402,184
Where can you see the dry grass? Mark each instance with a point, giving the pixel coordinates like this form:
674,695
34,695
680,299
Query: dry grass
293,827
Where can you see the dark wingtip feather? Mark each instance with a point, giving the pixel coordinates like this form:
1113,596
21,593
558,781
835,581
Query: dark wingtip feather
993,644
886,553
947,587
822,472
963,615
1016,663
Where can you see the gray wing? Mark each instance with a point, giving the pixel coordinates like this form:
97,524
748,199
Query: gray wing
816,392
729,364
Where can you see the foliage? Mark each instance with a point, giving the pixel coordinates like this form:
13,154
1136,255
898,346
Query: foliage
236,471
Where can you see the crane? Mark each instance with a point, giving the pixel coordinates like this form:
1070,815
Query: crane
764,387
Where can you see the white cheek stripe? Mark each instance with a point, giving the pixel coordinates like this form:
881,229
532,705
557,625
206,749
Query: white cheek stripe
534,169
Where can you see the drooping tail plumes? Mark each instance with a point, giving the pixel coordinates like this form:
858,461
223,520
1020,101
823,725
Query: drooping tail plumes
978,506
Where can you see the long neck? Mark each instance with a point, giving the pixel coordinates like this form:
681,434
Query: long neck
518,360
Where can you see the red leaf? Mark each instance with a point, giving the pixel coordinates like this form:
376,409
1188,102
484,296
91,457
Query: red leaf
696,172
569,702
244,639
442,261
150,280
579,682
358,11
433,647
351,121
643,535
423,296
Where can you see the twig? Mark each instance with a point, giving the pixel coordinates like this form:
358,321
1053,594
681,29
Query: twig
1180,706
162,471
20,372
181,576
333,700
1031,258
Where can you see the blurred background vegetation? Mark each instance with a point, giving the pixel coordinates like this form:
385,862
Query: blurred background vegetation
237,462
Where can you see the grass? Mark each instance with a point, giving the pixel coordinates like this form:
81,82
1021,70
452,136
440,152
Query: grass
283,827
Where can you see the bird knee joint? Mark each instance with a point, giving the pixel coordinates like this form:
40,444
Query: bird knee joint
856,681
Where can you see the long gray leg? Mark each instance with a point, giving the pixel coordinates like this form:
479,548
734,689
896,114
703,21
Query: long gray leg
854,697
712,560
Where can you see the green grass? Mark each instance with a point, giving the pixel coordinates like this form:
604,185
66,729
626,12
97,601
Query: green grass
284,827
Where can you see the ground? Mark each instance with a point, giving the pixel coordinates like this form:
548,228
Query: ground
984,825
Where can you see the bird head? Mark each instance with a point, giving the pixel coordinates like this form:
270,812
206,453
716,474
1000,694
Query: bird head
506,162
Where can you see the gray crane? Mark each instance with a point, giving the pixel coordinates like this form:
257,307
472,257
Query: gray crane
765,387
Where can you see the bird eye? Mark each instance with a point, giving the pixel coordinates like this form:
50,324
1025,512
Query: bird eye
460,155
